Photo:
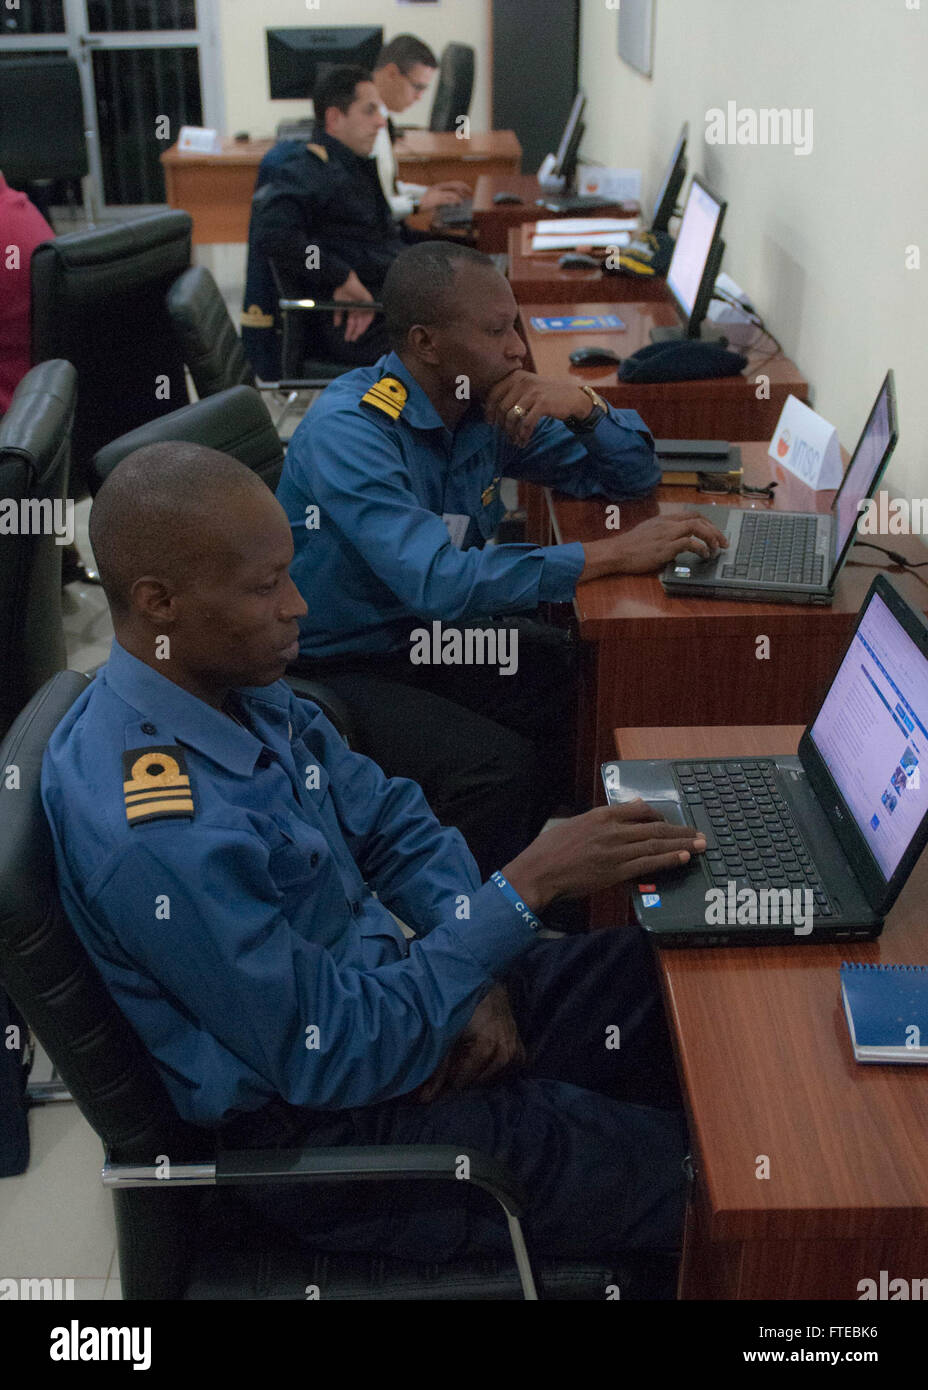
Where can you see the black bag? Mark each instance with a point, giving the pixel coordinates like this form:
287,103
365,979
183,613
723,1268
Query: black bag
15,1065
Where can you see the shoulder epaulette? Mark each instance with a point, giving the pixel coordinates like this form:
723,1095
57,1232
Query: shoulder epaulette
320,152
387,395
156,785
255,317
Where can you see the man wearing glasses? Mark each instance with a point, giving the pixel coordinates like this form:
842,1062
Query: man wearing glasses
402,74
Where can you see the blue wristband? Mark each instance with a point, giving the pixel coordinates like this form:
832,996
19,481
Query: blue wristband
507,890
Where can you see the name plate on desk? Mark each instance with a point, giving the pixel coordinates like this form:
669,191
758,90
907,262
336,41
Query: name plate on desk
195,139
618,185
807,446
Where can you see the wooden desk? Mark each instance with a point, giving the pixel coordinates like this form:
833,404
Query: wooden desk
216,189
653,660
536,276
492,221
425,156
723,409
767,1068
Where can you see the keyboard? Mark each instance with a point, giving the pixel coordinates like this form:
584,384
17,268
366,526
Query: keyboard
776,550
751,836
455,215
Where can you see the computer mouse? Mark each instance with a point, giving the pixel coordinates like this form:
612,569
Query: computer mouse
594,356
506,198
578,260
241,137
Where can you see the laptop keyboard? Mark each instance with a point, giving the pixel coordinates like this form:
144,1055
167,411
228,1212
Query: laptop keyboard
455,215
754,839
776,550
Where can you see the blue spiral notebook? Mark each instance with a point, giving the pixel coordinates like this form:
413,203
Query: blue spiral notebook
887,1011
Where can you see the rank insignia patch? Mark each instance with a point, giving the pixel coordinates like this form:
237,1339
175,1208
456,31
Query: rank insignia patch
156,785
388,395
486,497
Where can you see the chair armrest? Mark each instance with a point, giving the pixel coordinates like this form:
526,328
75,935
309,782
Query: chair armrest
329,306
358,1163
351,1163
378,1163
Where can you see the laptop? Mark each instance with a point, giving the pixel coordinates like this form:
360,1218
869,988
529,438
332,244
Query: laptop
791,557
814,847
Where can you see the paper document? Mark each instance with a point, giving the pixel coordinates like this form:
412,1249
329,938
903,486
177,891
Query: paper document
567,226
566,243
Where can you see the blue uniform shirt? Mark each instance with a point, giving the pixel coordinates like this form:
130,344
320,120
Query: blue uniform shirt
381,556
241,938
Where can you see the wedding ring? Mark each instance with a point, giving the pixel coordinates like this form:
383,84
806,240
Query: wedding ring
517,410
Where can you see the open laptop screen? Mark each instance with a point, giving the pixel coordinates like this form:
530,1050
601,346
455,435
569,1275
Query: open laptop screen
872,734
873,452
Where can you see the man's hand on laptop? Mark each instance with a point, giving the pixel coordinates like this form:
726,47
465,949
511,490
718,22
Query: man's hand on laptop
489,1043
517,402
353,292
611,844
649,545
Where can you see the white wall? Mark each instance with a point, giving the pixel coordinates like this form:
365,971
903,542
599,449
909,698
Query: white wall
818,241
244,61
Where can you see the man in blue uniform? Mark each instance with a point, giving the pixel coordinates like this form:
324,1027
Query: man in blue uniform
219,848
391,483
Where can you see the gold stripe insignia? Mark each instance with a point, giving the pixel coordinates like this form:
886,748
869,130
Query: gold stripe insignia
387,395
486,497
256,318
156,785
320,152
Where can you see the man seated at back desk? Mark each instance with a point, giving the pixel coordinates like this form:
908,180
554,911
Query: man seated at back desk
319,213
219,849
402,73
391,483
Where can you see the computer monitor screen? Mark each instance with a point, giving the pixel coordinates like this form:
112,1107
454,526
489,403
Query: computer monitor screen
671,183
872,734
873,452
693,255
295,55
565,161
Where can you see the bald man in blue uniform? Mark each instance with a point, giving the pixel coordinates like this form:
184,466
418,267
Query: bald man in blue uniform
219,850
392,486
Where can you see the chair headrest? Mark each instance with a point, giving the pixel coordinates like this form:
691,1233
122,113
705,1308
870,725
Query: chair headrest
235,422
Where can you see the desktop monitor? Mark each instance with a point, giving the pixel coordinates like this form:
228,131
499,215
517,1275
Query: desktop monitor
697,258
671,183
565,161
295,56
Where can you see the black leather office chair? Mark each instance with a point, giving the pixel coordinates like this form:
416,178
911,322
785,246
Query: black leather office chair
214,353
98,301
455,86
35,442
184,1234
42,126
235,422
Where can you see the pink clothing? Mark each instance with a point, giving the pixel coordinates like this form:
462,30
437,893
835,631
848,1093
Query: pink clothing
22,229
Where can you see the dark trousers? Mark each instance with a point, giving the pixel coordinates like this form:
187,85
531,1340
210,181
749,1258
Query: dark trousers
492,753
594,1132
